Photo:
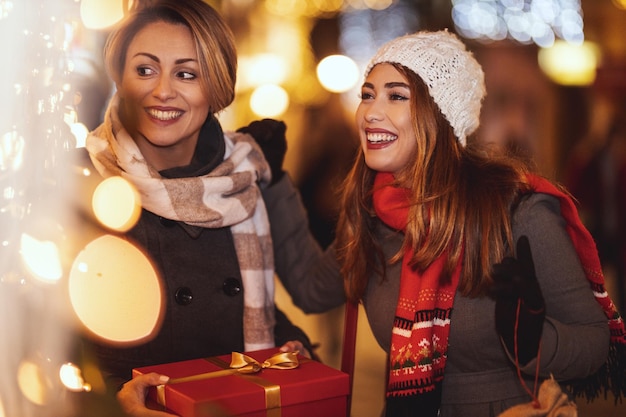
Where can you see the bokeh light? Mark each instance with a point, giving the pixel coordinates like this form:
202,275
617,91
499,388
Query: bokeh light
116,204
41,257
34,383
525,21
72,378
101,14
290,7
11,151
115,291
378,4
269,100
80,132
262,69
338,73
620,4
568,64
35,254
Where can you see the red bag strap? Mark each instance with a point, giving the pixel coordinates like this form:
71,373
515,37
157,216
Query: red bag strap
349,344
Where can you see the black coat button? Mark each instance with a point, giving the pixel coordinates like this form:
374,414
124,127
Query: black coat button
183,296
231,287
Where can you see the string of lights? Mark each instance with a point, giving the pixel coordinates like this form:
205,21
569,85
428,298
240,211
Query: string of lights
525,21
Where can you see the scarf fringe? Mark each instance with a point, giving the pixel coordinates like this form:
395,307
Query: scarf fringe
610,378
408,390
404,388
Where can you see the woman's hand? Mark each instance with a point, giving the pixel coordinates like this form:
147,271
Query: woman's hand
295,345
132,396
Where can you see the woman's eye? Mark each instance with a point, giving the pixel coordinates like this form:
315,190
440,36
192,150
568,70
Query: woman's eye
144,71
397,97
365,96
187,75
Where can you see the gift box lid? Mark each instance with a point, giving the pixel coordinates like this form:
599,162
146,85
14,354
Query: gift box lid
310,381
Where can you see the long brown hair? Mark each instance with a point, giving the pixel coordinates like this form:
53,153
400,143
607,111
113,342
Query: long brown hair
461,200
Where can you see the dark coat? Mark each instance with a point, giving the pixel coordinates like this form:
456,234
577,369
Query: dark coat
202,286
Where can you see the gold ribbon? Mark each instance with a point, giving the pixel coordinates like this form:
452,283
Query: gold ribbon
247,365
244,365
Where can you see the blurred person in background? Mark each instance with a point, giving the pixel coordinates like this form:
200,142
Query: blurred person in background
595,173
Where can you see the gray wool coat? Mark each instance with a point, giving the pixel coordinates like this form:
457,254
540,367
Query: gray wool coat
480,378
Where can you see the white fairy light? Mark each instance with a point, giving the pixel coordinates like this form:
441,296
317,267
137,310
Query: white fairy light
526,21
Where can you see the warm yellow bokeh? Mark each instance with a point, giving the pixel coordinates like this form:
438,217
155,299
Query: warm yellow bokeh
116,204
71,377
34,383
259,69
337,73
569,64
269,100
115,291
101,14
41,257
620,4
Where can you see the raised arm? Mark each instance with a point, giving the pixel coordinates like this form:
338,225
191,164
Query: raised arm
310,275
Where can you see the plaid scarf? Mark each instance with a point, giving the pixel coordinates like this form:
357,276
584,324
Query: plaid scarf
419,340
228,196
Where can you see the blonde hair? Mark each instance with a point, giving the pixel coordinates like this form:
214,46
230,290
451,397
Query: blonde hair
214,43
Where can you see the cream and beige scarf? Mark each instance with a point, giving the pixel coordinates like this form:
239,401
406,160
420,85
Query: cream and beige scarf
228,196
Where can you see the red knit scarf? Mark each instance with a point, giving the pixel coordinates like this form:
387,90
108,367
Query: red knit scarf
419,340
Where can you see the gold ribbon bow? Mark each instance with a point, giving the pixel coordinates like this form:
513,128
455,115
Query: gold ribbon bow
244,364
247,365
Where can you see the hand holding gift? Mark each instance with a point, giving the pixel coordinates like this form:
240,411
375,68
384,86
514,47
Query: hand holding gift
132,396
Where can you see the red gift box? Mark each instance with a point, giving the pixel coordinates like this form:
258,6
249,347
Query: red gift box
210,387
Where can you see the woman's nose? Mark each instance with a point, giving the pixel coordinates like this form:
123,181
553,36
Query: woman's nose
164,88
373,113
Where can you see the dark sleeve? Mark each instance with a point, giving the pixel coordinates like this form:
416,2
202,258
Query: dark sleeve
285,331
310,275
575,339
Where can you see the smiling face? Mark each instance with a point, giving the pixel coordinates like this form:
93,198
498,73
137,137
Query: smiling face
384,120
162,103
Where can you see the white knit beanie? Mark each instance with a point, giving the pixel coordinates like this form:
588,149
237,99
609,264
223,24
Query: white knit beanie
454,78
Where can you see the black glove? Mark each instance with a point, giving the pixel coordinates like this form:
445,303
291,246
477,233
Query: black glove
514,279
270,135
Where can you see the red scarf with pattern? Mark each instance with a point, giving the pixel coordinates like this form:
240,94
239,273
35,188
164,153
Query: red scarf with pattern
419,340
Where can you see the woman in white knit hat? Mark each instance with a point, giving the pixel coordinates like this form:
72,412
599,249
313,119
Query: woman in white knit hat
451,250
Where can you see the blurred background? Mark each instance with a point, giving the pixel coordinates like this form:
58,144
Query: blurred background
556,92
